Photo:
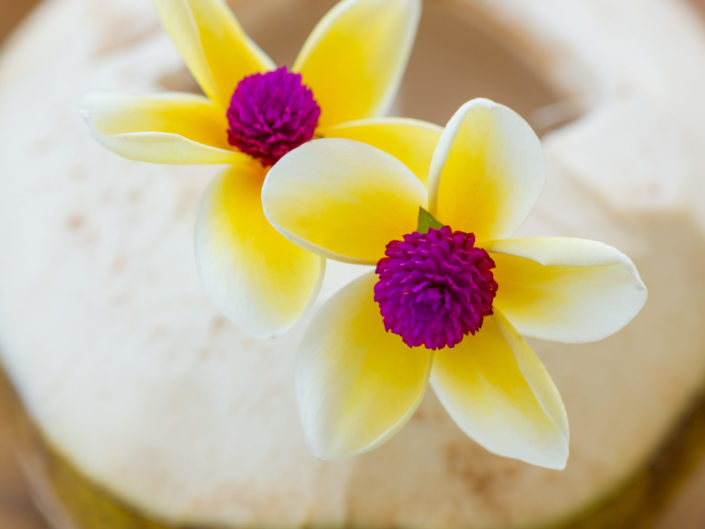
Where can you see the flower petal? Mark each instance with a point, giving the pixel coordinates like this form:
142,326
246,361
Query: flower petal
356,384
355,58
213,44
563,289
498,391
487,171
411,141
165,128
256,277
342,199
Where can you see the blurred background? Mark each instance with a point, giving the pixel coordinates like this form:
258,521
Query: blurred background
511,81
17,511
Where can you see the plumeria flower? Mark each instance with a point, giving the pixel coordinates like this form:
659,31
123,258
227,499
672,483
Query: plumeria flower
251,115
450,297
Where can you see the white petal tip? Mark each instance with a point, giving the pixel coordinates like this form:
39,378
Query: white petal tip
329,454
552,458
558,464
327,451
87,105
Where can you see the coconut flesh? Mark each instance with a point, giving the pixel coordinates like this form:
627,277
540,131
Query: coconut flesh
137,382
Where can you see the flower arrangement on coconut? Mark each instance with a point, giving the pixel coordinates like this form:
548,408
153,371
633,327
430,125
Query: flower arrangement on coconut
315,174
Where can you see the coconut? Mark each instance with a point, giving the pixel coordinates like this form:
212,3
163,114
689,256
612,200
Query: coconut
153,411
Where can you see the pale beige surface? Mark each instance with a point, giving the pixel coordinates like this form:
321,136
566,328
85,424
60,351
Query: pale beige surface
577,162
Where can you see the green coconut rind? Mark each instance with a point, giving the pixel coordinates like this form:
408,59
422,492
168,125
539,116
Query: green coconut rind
636,504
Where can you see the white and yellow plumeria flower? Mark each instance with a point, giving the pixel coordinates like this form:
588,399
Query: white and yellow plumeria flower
461,299
252,114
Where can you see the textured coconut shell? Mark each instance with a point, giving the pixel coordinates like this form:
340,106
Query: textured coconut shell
149,394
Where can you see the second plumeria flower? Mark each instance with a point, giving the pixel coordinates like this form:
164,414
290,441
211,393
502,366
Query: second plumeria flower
451,298
251,115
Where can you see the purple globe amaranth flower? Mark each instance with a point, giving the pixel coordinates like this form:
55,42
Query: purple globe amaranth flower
270,114
435,287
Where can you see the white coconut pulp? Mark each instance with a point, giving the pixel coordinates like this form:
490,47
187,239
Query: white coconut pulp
135,378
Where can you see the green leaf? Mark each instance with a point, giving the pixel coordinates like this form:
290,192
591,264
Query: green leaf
426,222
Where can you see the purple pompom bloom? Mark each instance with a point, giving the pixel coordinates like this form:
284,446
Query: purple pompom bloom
270,114
435,287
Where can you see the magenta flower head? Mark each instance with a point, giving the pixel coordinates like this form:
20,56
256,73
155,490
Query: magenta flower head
270,114
435,287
